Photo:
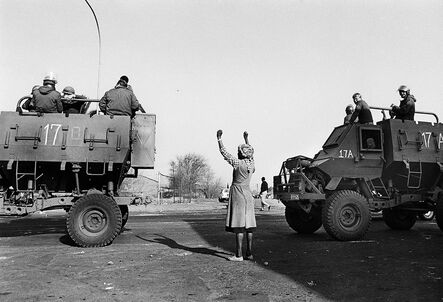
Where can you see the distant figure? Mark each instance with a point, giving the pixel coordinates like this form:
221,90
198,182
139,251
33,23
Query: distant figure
263,193
46,99
406,110
29,104
370,143
362,111
69,105
119,100
240,215
349,111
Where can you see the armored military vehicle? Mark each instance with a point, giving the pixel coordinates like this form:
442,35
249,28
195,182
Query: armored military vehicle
74,162
394,166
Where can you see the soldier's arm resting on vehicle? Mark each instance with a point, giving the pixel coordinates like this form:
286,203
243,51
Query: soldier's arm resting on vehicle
29,104
135,105
102,104
355,114
59,105
234,162
403,108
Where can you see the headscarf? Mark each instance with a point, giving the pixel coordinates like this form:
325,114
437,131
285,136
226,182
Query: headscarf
248,154
246,151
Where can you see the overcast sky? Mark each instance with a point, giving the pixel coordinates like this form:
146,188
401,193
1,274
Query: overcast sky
282,70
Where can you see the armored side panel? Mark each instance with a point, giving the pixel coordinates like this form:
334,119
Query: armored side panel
58,138
45,150
413,154
143,142
353,151
412,141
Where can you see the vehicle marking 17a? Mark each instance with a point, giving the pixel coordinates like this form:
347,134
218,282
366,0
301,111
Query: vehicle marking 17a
345,154
426,138
50,127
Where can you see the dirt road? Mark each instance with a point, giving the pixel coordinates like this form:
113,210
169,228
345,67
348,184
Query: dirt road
182,257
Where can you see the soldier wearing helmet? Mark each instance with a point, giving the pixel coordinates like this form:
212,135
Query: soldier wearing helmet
46,99
119,100
406,110
362,111
70,105
29,104
349,111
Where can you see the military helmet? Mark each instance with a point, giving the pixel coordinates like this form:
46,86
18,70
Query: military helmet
403,88
51,78
349,109
68,90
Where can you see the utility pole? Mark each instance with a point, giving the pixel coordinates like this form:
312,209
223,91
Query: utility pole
173,182
159,187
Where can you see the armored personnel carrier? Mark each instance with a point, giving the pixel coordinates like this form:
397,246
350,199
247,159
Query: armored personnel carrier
394,166
74,162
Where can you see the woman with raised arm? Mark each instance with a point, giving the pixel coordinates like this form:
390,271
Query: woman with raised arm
240,216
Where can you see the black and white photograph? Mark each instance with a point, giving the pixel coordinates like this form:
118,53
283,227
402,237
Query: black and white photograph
221,150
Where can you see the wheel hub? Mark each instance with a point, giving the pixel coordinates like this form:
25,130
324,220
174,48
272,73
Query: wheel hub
94,221
349,216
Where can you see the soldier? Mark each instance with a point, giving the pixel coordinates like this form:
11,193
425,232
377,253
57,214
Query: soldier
46,98
406,110
361,111
119,100
29,104
70,105
349,111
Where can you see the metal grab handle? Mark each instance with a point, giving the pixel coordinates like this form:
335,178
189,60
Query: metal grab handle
36,138
418,112
419,141
92,138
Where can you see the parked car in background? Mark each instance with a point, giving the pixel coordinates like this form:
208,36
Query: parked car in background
224,195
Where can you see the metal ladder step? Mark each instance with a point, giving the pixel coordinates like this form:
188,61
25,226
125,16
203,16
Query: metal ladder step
378,189
19,175
414,176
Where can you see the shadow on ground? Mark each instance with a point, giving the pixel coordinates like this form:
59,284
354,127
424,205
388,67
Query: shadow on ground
175,245
31,225
386,266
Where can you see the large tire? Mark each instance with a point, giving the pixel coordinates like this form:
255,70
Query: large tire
439,211
94,221
302,222
399,220
346,215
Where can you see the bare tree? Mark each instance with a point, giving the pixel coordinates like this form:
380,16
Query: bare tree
210,186
191,173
